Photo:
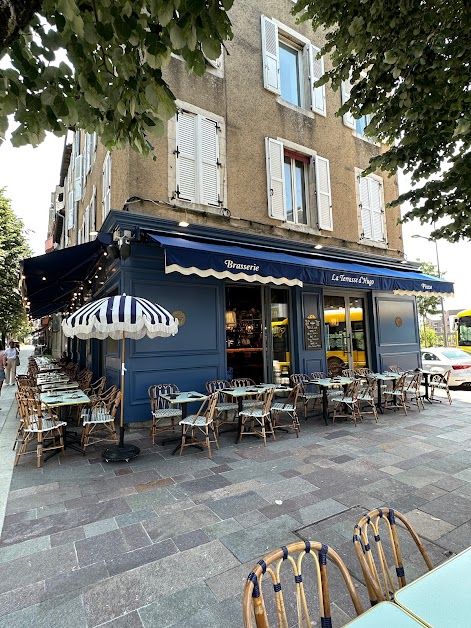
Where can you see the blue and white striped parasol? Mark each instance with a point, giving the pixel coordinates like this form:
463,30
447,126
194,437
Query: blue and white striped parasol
120,317
111,317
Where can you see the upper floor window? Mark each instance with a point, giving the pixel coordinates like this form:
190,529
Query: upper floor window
298,186
197,159
291,66
371,207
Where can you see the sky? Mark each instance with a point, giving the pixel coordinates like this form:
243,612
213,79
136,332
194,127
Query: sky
31,174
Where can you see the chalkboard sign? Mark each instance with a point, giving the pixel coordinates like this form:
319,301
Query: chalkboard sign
312,333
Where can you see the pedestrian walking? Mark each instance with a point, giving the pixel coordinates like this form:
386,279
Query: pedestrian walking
11,354
3,361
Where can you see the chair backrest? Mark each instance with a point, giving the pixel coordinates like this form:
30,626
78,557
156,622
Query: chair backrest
309,562
97,387
394,368
292,398
371,386
401,383
349,373
351,391
216,385
441,378
376,559
363,371
207,408
415,382
242,381
317,375
261,401
299,378
155,392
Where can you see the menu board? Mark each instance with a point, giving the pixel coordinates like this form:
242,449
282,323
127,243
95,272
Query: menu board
312,333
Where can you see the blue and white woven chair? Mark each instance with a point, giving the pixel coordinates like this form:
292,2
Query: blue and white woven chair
298,580
41,425
164,415
200,424
223,406
367,397
99,425
258,416
284,414
347,405
308,392
439,381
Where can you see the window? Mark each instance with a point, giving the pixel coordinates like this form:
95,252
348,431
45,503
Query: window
291,66
291,178
197,159
371,208
357,124
106,186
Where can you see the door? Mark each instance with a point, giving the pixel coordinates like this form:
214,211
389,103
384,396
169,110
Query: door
345,332
258,339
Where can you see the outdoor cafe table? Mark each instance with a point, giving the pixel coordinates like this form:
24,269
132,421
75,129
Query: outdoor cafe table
48,379
183,398
61,400
442,597
241,392
384,615
325,384
58,386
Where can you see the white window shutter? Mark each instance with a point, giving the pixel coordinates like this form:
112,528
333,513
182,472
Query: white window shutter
316,71
86,224
324,196
275,167
365,209
78,163
186,156
106,196
270,55
209,145
377,212
70,209
345,89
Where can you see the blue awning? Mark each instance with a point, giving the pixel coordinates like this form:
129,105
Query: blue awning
50,280
244,263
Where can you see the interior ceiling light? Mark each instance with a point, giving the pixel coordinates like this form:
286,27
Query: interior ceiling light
183,223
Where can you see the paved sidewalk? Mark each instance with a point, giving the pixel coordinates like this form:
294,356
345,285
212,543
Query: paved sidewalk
168,541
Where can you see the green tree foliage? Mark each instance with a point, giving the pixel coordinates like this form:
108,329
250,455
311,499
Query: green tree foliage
409,64
428,337
13,248
98,65
428,306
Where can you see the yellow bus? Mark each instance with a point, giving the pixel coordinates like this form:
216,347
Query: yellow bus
463,330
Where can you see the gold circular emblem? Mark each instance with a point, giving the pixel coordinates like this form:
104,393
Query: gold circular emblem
180,316
398,321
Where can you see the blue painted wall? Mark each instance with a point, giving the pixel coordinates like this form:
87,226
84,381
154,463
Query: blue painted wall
397,331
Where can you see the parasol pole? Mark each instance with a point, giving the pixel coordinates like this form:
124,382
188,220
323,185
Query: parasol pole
121,405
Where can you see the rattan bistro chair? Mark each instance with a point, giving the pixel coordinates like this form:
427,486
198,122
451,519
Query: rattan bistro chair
258,416
223,406
347,405
413,392
395,397
440,382
307,392
284,415
99,425
164,414
292,572
200,424
42,426
377,539
367,398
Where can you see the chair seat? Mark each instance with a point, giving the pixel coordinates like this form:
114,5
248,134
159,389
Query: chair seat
223,406
439,385
282,406
99,417
190,420
365,397
257,413
309,396
344,399
47,426
165,413
396,393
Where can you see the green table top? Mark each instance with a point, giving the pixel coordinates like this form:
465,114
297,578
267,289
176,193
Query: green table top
385,615
442,597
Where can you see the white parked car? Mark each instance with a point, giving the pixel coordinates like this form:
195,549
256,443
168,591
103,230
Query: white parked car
441,359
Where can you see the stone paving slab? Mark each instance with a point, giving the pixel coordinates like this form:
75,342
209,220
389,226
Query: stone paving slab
168,540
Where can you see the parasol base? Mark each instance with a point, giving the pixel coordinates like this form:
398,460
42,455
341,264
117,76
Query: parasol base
120,454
